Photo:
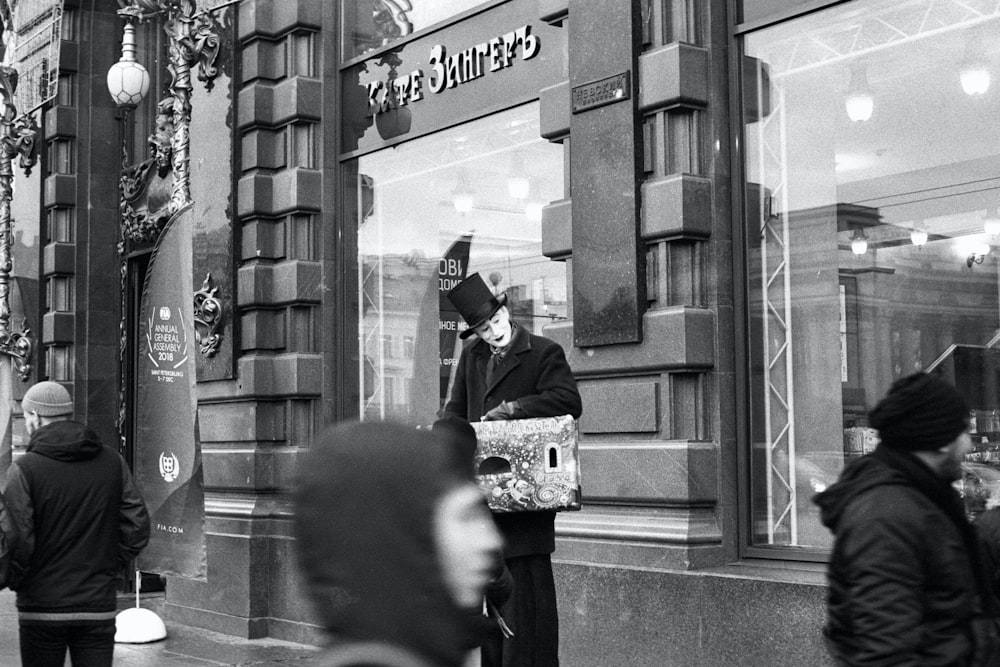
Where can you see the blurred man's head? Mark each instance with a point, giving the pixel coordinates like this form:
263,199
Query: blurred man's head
395,542
926,416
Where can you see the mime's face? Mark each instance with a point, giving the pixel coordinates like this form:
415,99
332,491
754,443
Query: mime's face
496,331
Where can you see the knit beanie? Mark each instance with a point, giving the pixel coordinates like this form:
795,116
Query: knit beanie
921,412
48,399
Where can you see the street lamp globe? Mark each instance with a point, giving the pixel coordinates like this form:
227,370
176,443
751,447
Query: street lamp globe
128,81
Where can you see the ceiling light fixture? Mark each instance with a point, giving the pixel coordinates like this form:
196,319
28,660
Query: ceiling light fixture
859,102
859,242
974,73
462,196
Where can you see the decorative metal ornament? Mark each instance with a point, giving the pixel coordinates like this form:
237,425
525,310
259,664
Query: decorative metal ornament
18,138
207,317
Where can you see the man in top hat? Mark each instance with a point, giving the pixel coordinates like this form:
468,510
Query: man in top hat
906,579
509,373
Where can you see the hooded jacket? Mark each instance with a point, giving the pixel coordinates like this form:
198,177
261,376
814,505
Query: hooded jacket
364,510
904,575
80,519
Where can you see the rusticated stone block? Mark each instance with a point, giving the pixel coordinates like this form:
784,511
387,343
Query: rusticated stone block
619,406
650,472
267,17
60,190
272,105
236,422
281,192
675,338
557,229
554,111
677,206
262,149
280,375
60,121
58,327
263,239
59,258
672,75
263,59
262,330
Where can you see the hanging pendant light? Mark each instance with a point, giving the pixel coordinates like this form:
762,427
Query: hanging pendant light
859,103
974,72
462,196
859,242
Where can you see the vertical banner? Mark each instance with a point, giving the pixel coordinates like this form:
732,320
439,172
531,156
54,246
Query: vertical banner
167,452
451,271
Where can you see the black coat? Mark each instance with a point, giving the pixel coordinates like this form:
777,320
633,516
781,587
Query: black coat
904,576
535,373
80,518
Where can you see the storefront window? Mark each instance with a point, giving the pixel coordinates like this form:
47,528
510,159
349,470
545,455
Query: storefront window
372,24
431,212
872,165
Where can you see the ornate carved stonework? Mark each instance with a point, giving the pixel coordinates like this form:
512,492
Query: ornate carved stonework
207,318
146,187
18,137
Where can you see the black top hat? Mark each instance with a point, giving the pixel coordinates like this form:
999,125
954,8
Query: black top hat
475,302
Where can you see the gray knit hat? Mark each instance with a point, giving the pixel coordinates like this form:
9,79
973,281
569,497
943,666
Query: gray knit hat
47,399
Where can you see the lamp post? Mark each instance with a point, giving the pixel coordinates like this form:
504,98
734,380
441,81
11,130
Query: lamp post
17,138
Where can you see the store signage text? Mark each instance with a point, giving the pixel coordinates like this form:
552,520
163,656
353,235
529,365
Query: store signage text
598,93
449,71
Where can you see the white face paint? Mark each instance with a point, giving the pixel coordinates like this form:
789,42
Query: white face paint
468,544
497,331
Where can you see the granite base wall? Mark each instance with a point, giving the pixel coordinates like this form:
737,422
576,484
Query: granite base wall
611,616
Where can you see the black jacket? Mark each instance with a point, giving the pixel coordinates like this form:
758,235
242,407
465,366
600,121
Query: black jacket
534,372
905,576
80,518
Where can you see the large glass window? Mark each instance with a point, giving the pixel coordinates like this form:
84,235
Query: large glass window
872,165
431,212
372,24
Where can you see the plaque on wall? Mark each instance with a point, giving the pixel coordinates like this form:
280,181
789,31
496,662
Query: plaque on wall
526,465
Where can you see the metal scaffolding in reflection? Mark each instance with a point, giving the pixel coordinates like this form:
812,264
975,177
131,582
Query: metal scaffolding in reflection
776,318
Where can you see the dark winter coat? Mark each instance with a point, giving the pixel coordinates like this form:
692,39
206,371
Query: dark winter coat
534,372
905,577
80,518
8,540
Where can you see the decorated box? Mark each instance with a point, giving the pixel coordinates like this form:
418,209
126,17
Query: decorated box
526,465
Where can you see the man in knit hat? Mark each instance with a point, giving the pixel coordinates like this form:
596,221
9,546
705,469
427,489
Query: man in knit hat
905,576
81,519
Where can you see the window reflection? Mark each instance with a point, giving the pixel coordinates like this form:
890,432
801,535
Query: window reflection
431,212
372,24
872,193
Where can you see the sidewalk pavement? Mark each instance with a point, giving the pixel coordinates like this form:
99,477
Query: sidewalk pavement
184,646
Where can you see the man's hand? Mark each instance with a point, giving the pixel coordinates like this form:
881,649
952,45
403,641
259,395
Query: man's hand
506,410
